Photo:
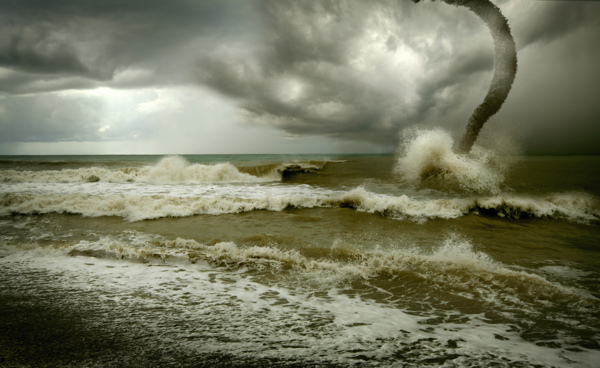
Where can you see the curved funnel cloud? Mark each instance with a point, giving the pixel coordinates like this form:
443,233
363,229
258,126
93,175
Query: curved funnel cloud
505,67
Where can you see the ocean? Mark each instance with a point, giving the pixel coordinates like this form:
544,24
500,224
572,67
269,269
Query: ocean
399,260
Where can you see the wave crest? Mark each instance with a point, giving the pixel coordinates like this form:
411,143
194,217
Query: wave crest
426,156
176,170
455,264
169,170
285,170
578,207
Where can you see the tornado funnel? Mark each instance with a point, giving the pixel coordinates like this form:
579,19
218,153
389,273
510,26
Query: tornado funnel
505,67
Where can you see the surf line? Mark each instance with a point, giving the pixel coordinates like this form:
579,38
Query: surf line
504,72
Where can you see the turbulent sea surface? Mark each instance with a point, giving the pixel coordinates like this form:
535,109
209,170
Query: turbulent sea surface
408,260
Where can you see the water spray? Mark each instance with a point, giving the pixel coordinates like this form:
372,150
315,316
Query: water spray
505,67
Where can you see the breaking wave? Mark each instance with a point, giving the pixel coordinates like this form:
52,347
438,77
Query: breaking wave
427,157
453,264
285,170
279,299
169,170
578,207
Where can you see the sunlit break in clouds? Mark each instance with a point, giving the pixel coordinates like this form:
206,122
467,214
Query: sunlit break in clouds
288,76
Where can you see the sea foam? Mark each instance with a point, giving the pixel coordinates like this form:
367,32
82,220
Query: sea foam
454,265
169,170
428,156
241,314
578,207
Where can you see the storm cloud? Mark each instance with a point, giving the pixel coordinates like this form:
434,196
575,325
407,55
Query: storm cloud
365,71
96,41
348,70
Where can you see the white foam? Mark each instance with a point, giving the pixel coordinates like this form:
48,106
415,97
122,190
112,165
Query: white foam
175,169
455,261
581,207
138,201
237,315
428,154
169,170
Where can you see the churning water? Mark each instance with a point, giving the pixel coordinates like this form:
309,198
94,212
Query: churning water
426,258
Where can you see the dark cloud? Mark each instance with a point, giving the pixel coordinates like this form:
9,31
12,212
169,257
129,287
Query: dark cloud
36,50
345,69
545,21
98,39
554,105
335,68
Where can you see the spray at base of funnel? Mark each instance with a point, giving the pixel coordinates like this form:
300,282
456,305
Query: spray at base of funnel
426,157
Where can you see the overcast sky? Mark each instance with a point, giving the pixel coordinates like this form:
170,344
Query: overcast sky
277,76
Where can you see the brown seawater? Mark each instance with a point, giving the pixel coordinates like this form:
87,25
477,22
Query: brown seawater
300,260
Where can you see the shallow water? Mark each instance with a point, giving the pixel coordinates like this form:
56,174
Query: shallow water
266,260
